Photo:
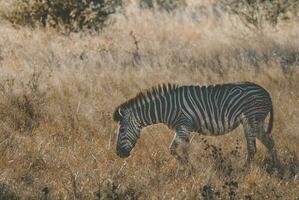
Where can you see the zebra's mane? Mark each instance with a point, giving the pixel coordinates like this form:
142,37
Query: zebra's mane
153,92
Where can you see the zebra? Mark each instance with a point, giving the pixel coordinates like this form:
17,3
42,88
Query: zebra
209,110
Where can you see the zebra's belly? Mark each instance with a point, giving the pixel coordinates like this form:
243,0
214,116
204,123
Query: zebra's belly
217,129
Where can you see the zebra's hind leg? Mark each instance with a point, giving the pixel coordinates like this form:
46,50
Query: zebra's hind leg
267,141
250,135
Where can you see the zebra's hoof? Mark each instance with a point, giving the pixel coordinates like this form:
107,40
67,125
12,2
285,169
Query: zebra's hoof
181,160
173,152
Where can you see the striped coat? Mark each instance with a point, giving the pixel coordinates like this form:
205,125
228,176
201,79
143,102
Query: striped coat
209,110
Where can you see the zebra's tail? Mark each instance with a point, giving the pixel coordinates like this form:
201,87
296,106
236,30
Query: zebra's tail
270,125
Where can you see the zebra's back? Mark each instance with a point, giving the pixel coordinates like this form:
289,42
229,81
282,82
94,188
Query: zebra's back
218,109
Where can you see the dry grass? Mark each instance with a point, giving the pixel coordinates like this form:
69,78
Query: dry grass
57,95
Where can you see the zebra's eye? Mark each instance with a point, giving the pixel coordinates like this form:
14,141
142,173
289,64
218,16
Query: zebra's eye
120,112
118,115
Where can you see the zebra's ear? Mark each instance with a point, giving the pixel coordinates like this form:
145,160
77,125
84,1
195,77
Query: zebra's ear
117,116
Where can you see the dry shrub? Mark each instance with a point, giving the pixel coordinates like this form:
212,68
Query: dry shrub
7,195
71,15
167,5
257,13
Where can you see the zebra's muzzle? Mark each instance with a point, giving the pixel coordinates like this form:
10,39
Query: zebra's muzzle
123,154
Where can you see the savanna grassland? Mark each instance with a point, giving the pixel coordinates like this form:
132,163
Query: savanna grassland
58,93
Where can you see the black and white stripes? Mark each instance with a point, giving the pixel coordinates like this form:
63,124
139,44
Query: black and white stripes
210,110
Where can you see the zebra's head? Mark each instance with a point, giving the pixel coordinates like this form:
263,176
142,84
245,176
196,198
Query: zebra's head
128,131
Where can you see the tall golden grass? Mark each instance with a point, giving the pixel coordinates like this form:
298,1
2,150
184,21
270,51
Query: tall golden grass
58,93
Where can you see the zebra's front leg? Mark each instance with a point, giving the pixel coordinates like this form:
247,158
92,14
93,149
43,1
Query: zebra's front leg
173,146
251,148
181,138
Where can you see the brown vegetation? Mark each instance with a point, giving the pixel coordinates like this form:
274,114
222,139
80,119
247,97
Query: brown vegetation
58,93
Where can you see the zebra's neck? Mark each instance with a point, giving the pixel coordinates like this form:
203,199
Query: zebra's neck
159,106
